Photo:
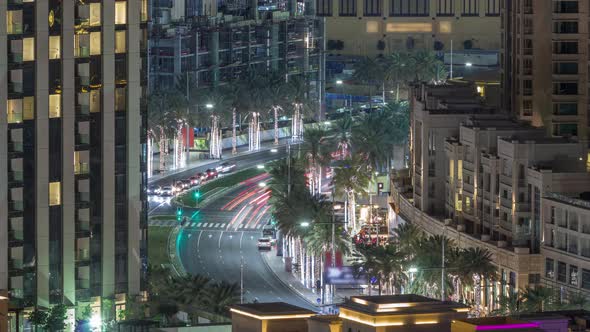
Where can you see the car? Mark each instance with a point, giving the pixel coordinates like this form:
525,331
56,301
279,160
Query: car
201,176
153,190
225,167
179,186
264,244
186,183
211,173
167,191
194,181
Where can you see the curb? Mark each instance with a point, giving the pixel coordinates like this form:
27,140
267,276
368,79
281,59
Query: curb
288,285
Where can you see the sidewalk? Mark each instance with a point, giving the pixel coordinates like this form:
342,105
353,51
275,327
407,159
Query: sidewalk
276,265
226,155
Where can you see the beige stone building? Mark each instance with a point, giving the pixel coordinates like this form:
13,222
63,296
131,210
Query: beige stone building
403,24
72,218
544,61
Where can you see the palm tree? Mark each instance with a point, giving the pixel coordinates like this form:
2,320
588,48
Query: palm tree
472,266
235,94
408,237
428,67
508,305
302,107
373,139
350,180
371,72
286,175
220,296
537,299
317,147
428,261
275,92
214,108
399,69
341,134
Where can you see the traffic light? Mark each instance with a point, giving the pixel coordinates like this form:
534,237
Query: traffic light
197,194
179,213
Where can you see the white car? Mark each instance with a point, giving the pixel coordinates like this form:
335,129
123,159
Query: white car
167,191
264,244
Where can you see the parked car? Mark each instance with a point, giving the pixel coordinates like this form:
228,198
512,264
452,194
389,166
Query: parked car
264,244
153,190
167,191
211,173
225,167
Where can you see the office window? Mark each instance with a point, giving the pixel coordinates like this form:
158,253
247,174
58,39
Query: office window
95,45
565,68
585,279
324,7
28,49
372,26
94,101
565,47
14,22
54,193
54,106
527,107
347,8
573,278
121,12
410,8
565,88
527,87
120,99
54,47
95,14
372,8
144,10
565,7
120,41
565,129
493,8
445,8
470,8
14,110
565,27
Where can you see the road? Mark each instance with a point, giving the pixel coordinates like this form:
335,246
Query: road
162,206
222,237
225,236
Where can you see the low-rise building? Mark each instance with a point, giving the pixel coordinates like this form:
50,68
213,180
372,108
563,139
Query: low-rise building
393,313
269,317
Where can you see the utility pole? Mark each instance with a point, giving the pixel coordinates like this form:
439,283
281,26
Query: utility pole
333,243
451,71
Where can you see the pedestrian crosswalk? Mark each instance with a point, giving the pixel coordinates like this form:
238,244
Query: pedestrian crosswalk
204,225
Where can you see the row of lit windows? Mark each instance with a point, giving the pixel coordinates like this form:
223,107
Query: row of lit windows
409,7
84,45
18,110
89,15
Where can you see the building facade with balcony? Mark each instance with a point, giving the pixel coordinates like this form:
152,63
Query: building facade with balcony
544,59
215,51
372,27
566,241
72,166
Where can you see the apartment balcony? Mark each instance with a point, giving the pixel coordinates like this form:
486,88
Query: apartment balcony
585,252
82,284
81,169
507,180
15,178
523,207
15,266
83,295
82,110
82,141
15,57
15,87
83,197
15,238
505,202
468,187
15,208
83,229
83,257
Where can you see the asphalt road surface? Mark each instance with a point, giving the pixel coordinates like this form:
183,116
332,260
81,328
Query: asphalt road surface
224,238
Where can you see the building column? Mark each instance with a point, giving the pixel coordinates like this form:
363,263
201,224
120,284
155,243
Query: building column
42,151
3,156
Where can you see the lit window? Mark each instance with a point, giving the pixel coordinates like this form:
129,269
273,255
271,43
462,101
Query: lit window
95,43
14,22
144,10
409,27
445,27
120,40
54,47
54,106
94,101
121,12
372,26
28,108
95,14
28,49
120,99
54,193
14,110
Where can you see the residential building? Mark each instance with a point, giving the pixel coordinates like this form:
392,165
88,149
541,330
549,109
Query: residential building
544,60
566,241
72,166
372,27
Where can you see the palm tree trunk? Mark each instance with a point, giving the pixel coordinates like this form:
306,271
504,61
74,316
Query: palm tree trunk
163,153
397,92
276,120
234,138
383,92
352,211
149,154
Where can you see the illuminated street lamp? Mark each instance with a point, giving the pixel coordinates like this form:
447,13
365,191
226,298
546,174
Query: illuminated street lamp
305,224
209,106
339,82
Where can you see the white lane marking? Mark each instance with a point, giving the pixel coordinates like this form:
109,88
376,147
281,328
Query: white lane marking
241,237
205,224
220,236
217,225
241,226
258,227
199,240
